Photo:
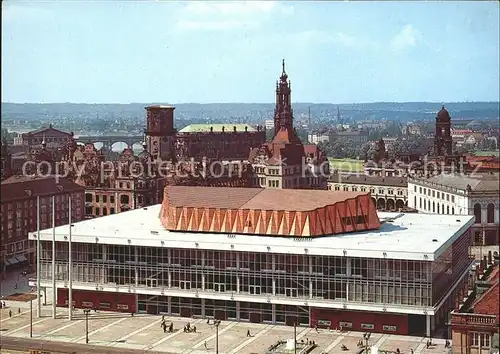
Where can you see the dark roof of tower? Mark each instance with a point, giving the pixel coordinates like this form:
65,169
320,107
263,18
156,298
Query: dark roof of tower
443,115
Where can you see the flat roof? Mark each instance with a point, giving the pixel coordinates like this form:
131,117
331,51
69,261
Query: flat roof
402,236
477,181
254,198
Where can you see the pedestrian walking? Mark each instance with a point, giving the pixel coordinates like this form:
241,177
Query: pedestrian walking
248,333
205,344
10,313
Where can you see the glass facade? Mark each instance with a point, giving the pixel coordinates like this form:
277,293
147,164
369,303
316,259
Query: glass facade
327,278
449,266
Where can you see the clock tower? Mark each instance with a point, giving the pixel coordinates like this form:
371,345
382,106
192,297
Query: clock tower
160,132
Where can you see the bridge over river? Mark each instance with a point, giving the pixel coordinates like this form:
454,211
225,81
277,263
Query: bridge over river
112,142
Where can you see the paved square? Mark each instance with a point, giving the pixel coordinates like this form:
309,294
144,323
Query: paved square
144,332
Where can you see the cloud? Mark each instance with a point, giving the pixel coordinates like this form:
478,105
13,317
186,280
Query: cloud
217,16
408,37
13,12
336,38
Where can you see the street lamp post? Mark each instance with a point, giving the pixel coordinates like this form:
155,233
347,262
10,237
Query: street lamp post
86,312
31,318
295,337
217,323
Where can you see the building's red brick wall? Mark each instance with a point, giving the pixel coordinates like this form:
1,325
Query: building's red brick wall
98,300
490,303
356,318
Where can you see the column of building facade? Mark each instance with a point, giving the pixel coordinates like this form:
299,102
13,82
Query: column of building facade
428,325
203,273
169,274
104,274
310,280
273,264
238,276
136,261
348,275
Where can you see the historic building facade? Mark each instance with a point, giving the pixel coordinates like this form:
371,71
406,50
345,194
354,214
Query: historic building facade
475,323
53,138
387,193
461,195
19,198
286,162
218,142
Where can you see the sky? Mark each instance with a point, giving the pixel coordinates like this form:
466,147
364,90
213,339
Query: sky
210,52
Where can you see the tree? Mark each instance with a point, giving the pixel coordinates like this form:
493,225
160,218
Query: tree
397,148
340,148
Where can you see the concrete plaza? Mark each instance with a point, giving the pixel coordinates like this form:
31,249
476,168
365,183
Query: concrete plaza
144,333
123,332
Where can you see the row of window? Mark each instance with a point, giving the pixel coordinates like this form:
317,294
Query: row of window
478,339
288,183
89,198
273,183
354,188
434,194
490,213
426,205
48,140
16,247
97,211
26,224
31,203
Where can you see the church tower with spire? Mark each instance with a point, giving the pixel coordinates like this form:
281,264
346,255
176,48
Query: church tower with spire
283,113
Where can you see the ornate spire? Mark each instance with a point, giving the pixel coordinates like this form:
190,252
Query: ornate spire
284,76
144,144
283,115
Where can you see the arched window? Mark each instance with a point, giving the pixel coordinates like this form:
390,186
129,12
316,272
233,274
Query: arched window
447,209
438,210
477,212
490,213
420,203
415,201
452,210
433,207
88,197
442,209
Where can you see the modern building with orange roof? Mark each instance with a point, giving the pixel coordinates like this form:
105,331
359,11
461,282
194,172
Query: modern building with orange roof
305,257
267,212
